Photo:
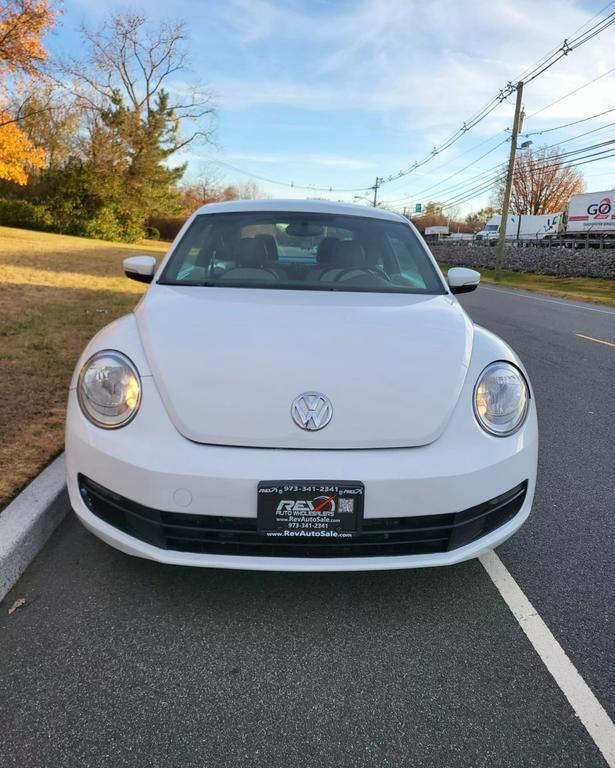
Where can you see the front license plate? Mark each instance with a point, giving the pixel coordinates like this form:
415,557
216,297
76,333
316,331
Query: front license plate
310,509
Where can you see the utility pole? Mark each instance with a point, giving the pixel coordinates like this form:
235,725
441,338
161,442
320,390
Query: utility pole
499,249
377,183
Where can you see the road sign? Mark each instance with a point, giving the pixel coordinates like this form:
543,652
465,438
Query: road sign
418,208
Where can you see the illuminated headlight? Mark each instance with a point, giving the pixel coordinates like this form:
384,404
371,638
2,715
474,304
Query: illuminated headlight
109,389
501,399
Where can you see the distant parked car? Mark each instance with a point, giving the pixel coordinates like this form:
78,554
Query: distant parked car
299,389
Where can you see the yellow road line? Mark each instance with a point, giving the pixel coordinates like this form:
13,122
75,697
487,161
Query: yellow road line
598,341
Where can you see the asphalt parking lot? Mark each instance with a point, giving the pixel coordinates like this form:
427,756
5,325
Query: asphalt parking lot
121,662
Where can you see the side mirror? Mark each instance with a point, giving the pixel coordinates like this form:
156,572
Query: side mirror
462,280
140,268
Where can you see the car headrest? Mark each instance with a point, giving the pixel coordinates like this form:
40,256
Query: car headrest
251,252
326,250
349,253
271,247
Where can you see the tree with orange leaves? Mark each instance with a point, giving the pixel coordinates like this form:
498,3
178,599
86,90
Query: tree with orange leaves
22,53
17,153
543,182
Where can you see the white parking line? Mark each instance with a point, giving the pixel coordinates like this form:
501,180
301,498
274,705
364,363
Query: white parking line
562,303
592,338
586,706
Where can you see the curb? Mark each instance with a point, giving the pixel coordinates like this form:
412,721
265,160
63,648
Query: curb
29,520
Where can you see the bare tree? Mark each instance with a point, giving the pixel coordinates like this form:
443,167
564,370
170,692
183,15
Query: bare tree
543,183
244,190
212,190
476,221
47,118
130,63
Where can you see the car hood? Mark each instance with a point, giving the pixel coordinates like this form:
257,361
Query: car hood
228,363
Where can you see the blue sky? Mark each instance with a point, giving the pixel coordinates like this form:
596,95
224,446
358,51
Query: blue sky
332,94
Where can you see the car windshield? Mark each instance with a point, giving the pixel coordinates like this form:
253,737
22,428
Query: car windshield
302,251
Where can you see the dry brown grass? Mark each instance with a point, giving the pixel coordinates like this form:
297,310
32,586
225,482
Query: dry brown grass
55,293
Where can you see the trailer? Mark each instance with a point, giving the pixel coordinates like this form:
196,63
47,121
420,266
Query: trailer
520,228
436,232
591,212
589,220
437,229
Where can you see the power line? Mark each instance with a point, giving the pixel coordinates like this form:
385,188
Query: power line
547,162
443,181
582,149
480,182
586,133
446,163
460,193
557,48
568,45
290,185
463,184
478,189
471,149
467,126
576,90
567,125
470,194
595,16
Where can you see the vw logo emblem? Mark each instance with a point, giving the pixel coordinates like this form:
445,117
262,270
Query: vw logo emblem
311,411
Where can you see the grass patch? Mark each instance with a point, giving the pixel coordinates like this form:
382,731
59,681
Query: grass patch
55,293
581,288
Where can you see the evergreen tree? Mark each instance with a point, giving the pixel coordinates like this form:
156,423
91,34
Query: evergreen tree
124,167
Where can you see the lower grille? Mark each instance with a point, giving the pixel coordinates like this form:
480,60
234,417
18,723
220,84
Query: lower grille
214,534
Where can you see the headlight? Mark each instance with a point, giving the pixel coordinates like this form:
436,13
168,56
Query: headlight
501,399
109,389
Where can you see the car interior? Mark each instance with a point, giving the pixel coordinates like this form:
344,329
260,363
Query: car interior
258,258
301,255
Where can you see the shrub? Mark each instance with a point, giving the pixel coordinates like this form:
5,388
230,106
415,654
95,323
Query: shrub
152,233
24,214
104,225
108,223
167,226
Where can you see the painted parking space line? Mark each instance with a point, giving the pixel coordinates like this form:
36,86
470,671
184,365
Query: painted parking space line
560,302
598,341
583,701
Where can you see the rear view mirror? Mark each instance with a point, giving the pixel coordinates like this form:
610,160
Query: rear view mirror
462,280
304,229
140,268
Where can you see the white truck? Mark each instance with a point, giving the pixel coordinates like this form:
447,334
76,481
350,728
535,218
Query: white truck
520,228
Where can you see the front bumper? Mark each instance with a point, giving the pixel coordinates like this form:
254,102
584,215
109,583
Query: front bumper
150,463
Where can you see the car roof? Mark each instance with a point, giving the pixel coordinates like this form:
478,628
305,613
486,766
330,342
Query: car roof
300,206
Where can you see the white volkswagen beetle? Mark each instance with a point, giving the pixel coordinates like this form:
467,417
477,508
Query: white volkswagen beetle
299,390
